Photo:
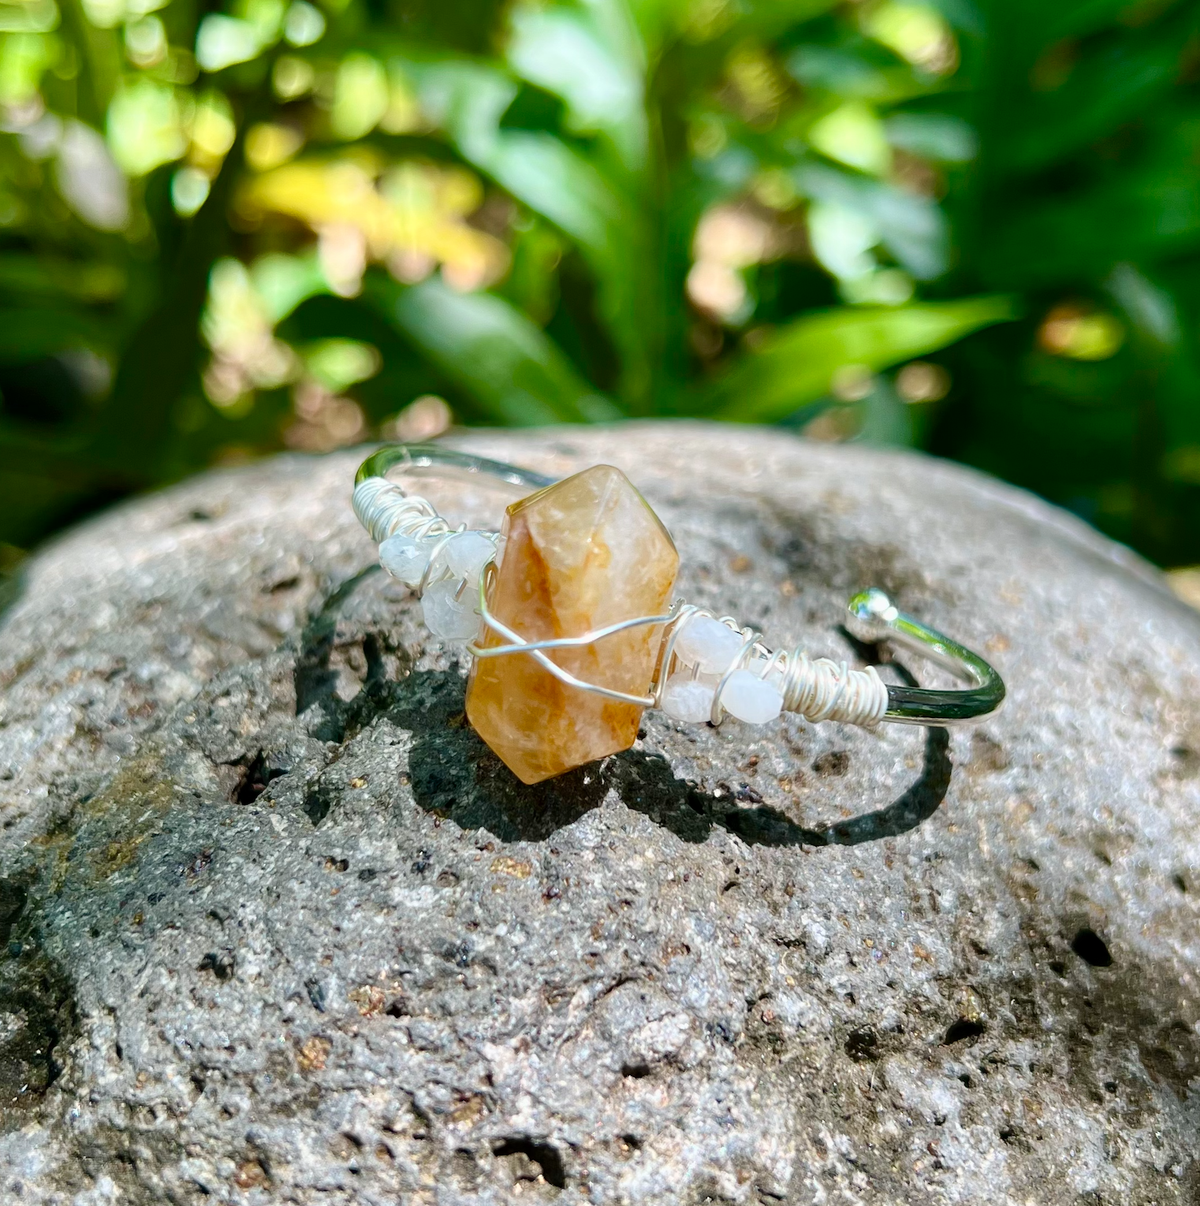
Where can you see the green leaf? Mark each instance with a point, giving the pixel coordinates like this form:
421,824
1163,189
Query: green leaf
558,182
1106,90
599,78
29,334
468,100
51,276
798,364
1151,209
912,228
494,352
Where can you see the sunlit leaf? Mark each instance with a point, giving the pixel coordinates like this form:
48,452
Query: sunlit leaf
144,127
223,41
31,16
339,363
284,281
562,51
911,227
559,183
797,364
853,134
538,169
360,96
851,73
304,24
934,135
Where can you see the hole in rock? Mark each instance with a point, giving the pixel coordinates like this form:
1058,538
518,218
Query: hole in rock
220,963
1091,948
545,1155
458,953
12,904
255,779
862,1044
632,1142
635,1071
964,1028
833,762
317,802
1179,882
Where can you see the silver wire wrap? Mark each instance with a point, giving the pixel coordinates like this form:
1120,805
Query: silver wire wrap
817,689
385,510
535,649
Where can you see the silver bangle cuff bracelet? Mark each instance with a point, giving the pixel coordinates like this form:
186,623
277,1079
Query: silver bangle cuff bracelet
568,613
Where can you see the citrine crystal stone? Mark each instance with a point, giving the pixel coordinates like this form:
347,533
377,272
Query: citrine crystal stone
579,555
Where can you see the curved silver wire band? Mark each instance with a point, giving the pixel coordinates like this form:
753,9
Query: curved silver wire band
425,456
871,615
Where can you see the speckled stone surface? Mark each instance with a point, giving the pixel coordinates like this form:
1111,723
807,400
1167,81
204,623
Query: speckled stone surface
277,927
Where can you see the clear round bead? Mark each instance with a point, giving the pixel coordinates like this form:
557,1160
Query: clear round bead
748,698
452,619
686,699
467,553
708,643
404,558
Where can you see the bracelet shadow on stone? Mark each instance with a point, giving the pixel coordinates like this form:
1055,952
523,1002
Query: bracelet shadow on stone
455,776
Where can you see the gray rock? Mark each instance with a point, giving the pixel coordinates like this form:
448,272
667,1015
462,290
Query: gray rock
281,929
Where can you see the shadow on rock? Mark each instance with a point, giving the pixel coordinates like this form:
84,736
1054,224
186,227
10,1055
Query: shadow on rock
37,1011
456,776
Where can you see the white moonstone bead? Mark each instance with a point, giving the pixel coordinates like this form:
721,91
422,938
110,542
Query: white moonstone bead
404,558
467,553
708,643
447,617
750,699
686,699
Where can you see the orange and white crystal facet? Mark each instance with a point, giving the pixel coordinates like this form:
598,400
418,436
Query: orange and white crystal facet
579,555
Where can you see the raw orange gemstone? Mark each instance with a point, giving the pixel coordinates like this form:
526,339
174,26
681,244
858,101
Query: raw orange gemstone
579,555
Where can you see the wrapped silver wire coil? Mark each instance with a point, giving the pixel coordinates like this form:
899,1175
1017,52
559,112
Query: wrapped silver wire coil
818,690
385,510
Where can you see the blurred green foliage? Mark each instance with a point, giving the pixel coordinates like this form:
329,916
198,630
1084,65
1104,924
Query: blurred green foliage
967,225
